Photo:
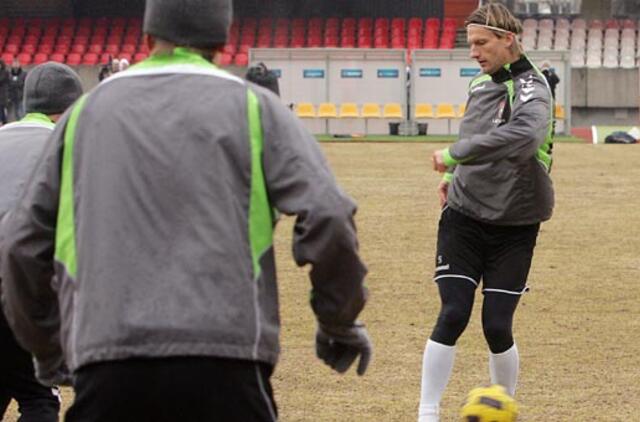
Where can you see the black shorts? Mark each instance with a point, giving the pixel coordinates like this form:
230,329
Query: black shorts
174,389
470,250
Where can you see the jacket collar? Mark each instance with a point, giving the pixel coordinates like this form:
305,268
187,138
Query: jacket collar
511,70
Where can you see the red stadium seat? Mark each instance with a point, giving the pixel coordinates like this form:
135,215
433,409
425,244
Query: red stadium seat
105,57
230,49
12,49
101,32
332,23
14,39
61,49
114,39
40,58
63,40
78,49
29,49
131,39
83,32
74,59
47,40
7,57
143,48
241,60
57,57
225,59
45,49
316,23
67,31
112,49
95,49
138,57
128,48
24,59
90,59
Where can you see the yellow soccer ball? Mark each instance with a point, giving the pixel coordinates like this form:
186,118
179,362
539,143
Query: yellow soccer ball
489,404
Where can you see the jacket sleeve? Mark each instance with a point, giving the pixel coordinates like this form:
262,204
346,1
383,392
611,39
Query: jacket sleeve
519,138
300,183
28,297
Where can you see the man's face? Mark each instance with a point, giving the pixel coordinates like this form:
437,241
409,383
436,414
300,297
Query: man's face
490,51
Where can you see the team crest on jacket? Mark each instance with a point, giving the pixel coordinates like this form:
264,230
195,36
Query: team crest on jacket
499,119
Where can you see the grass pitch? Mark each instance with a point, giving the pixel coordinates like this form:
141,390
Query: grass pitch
577,329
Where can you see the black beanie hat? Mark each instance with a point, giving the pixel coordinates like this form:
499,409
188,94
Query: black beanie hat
189,23
50,88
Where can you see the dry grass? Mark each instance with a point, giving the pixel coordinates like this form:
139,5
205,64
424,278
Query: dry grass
577,329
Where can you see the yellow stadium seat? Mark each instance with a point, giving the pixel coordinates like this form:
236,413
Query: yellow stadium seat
424,111
327,111
445,111
349,111
462,108
392,111
306,110
371,111
559,112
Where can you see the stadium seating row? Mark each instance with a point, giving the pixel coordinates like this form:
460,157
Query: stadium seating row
593,44
121,37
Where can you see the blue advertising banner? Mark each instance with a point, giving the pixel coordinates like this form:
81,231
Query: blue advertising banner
388,73
469,72
430,72
313,73
351,73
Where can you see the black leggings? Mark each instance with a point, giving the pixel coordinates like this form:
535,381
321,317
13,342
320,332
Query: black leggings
457,302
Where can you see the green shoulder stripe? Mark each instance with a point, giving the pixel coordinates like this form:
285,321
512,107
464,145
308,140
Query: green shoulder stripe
260,215
65,248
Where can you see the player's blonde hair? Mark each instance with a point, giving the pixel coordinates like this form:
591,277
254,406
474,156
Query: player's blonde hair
496,15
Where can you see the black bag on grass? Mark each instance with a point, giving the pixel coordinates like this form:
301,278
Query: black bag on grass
619,137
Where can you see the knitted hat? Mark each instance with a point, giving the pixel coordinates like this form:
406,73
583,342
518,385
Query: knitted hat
189,23
50,88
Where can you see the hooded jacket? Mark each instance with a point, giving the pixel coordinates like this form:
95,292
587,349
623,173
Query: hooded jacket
499,167
152,211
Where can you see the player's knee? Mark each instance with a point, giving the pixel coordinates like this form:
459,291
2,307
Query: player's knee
498,335
451,323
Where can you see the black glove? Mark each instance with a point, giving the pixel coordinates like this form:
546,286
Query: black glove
339,346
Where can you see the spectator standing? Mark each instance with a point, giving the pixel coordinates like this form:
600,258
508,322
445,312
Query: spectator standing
16,87
49,89
4,91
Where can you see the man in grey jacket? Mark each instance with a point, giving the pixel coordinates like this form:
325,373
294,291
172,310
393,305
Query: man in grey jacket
495,193
153,211
50,89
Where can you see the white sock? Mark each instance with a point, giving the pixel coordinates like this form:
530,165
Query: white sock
503,368
437,364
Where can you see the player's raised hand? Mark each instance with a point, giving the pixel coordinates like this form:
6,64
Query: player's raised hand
339,346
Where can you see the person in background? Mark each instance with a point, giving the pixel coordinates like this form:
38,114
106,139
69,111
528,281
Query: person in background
49,89
16,87
551,76
261,75
153,209
4,91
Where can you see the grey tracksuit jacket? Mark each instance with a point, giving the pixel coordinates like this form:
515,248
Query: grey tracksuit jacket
500,166
21,145
152,210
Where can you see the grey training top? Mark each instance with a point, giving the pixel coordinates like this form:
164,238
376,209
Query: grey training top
154,201
503,158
